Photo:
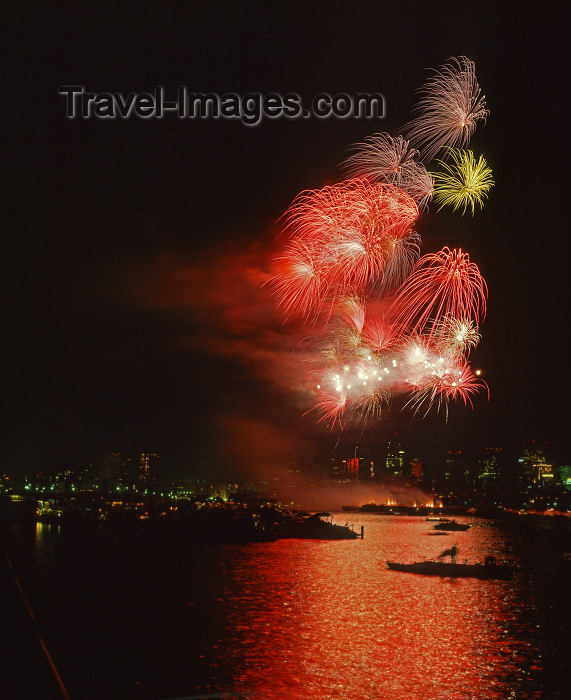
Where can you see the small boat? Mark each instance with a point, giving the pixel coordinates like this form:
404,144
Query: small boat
440,568
490,569
451,525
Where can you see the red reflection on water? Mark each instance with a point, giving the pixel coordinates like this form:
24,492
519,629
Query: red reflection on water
324,620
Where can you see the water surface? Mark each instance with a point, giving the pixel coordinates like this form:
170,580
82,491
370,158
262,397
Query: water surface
127,615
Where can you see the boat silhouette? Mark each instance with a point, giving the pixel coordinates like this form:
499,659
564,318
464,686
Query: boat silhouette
489,569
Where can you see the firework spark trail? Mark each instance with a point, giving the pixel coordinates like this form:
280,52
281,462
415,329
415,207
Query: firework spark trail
330,406
366,360
464,182
357,366
301,283
436,376
449,111
456,336
404,254
447,379
344,238
357,390
441,284
354,312
382,158
379,335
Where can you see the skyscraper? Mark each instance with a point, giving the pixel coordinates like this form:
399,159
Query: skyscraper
416,469
148,468
489,467
396,459
353,469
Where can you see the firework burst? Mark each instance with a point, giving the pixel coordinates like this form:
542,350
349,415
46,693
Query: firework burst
456,336
443,284
379,335
435,376
448,380
344,238
464,181
357,390
330,405
450,109
387,321
382,158
300,282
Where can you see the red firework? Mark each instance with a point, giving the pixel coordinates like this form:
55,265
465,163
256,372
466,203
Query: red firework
330,406
344,239
443,284
300,283
462,385
354,312
379,335
453,380
390,322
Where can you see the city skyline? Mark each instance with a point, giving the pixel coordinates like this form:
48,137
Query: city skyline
391,458
138,249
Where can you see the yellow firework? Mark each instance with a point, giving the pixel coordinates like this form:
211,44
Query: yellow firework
463,182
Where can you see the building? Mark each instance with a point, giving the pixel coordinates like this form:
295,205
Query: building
565,474
534,465
355,469
222,490
148,468
344,470
396,459
109,469
129,469
415,470
489,467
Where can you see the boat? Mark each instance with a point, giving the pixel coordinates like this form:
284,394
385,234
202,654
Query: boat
490,569
449,570
451,525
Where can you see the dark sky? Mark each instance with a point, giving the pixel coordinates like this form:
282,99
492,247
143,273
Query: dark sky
135,250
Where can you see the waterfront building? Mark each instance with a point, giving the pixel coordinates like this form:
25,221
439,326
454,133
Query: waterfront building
366,469
187,488
455,470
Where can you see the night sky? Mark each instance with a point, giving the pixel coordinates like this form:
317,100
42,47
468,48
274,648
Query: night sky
136,250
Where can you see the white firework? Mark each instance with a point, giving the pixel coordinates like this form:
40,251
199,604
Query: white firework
450,109
383,158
